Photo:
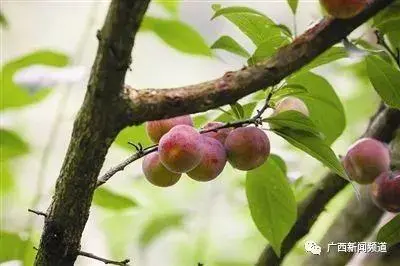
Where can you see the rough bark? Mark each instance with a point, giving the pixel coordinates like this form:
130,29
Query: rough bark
382,127
94,130
151,104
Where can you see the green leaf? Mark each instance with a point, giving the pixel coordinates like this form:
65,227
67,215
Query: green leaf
390,232
279,162
385,79
135,134
293,4
178,35
314,146
3,20
253,24
267,49
272,203
247,112
332,54
200,120
158,225
110,200
11,246
14,95
326,110
235,10
293,120
288,90
170,6
6,178
389,25
11,144
228,44
237,109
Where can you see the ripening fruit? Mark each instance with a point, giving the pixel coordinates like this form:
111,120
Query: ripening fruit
366,159
181,149
213,161
343,8
156,129
247,147
385,191
220,134
156,173
291,104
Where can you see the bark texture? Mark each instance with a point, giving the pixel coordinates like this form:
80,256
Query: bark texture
94,130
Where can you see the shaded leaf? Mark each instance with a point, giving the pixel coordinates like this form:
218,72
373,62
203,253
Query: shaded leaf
14,95
326,110
11,144
279,162
385,78
237,109
314,146
272,203
228,44
247,112
158,225
293,120
3,20
110,200
177,34
234,10
390,232
12,246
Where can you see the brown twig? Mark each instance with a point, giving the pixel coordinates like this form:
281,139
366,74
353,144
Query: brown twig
37,212
105,261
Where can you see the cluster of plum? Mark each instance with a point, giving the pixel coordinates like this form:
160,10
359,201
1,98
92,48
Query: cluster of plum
368,162
182,149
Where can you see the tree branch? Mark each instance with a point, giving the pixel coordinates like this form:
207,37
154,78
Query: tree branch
383,128
151,104
105,261
95,128
140,152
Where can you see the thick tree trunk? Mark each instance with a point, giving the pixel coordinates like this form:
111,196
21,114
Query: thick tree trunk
95,128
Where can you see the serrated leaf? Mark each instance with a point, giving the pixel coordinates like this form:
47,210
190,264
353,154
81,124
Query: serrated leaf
11,144
267,49
288,90
326,110
228,44
253,24
272,203
135,134
110,200
385,78
390,232
293,120
314,146
177,35
293,4
332,54
14,95
247,112
158,225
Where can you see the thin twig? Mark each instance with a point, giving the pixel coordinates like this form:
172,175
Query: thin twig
37,212
141,152
105,261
